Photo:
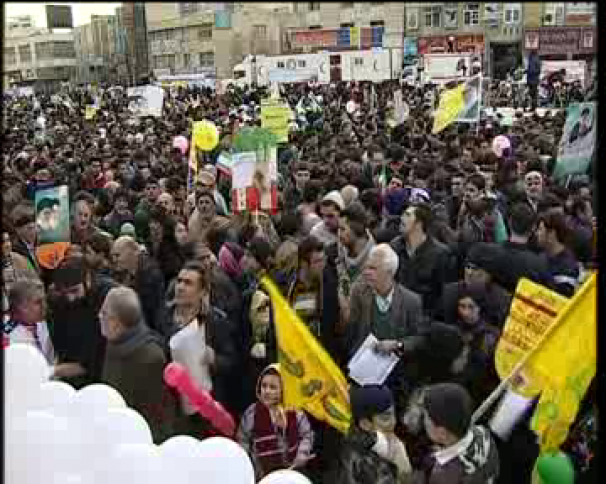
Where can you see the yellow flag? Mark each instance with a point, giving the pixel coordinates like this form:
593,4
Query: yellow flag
311,380
90,112
533,311
451,104
566,363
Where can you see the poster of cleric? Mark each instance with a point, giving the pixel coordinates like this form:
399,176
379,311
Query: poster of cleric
52,215
577,144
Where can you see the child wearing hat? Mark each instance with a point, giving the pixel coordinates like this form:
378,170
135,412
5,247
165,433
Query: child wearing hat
371,453
465,453
274,437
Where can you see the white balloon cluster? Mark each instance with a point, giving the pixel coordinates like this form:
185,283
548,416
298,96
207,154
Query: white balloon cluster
58,435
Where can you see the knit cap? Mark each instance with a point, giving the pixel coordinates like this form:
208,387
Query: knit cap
369,400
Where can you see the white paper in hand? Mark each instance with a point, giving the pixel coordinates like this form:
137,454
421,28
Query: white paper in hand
367,367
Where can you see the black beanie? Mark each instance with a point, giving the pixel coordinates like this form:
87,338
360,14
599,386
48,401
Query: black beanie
484,256
69,274
449,405
369,400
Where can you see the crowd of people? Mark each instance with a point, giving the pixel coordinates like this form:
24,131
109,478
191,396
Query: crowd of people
419,239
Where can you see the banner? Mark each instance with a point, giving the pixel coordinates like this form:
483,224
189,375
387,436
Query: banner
311,380
577,145
533,310
566,364
472,101
275,116
52,225
146,100
254,181
452,102
90,112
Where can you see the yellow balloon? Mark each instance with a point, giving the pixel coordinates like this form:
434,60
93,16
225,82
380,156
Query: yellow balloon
206,135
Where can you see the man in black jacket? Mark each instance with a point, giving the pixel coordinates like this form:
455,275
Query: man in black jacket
515,259
425,264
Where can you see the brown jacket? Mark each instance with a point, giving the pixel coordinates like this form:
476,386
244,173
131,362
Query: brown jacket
405,316
136,369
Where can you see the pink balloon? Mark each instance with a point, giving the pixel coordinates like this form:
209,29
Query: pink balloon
176,376
500,144
181,143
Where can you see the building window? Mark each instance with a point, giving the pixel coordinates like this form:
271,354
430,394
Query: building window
512,13
471,14
315,27
377,23
25,53
186,59
280,65
64,50
207,59
314,6
358,61
347,25
187,8
347,4
433,15
301,63
205,32
44,50
10,55
165,61
260,31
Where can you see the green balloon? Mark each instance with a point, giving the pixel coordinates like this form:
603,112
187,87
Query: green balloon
554,468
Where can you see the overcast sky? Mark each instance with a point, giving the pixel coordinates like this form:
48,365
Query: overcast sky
80,11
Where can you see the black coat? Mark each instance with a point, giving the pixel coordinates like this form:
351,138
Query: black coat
515,261
222,338
430,267
149,286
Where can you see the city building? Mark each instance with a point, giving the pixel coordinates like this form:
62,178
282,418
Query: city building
133,38
95,46
562,31
19,22
343,26
36,57
211,38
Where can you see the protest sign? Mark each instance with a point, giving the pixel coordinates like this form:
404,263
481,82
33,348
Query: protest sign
577,145
52,225
533,310
146,100
275,116
254,181
472,101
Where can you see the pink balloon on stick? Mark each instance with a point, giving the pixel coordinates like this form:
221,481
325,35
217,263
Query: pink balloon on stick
176,376
181,143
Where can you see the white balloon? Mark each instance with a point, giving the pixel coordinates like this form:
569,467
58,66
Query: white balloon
285,476
182,455
55,396
134,464
50,439
96,399
225,462
350,106
25,369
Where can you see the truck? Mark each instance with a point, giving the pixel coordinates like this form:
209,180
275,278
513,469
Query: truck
321,67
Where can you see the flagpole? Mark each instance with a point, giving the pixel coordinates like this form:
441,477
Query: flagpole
493,397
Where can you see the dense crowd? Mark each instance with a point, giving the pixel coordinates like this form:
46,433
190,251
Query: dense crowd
419,239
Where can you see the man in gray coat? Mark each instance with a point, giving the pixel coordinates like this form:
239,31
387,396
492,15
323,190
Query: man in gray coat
392,313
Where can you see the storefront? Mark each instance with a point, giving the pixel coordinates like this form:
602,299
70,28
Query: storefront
443,44
562,43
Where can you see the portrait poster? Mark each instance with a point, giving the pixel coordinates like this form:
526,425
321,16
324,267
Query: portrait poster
577,145
52,225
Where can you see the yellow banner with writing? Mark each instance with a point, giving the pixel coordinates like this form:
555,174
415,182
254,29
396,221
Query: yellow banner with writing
566,363
275,116
451,104
311,379
533,310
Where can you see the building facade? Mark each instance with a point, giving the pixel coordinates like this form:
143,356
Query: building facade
95,45
211,38
343,26
133,38
39,58
562,31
